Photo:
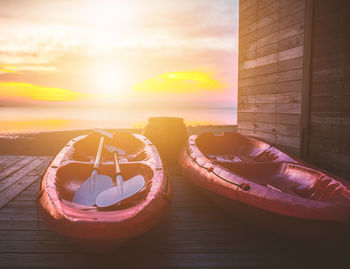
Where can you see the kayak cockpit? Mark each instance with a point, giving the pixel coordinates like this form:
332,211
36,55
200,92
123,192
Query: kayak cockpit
77,164
263,164
293,179
233,147
72,174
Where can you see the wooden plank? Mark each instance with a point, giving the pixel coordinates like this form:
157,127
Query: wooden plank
324,8
3,158
15,189
21,226
273,128
291,53
332,61
292,108
335,74
340,146
39,170
291,7
281,34
258,89
290,75
258,80
264,14
332,131
16,166
165,260
248,52
272,137
337,163
248,12
273,58
292,42
289,86
291,64
281,66
333,24
281,98
291,30
7,182
292,18
267,7
296,74
289,119
170,235
244,4
187,246
330,103
324,47
266,27
9,161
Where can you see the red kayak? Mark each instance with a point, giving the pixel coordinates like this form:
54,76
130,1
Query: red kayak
267,187
88,226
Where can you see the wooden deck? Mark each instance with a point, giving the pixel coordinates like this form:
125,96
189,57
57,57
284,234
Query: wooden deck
194,234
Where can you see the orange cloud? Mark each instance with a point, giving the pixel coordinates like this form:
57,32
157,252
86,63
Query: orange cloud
180,82
8,69
29,92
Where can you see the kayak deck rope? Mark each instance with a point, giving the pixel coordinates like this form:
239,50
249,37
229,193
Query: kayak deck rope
243,186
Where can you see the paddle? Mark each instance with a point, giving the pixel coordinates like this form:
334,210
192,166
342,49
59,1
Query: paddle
87,192
123,189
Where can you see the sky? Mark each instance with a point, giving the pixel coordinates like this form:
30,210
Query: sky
133,51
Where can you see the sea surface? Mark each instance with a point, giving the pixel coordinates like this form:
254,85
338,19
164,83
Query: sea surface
38,119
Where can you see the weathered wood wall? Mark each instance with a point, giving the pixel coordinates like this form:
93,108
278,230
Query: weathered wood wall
329,136
294,77
271,46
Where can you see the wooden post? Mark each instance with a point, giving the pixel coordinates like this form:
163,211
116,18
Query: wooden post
306,87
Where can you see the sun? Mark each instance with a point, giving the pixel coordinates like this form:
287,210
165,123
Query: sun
107,82
108,79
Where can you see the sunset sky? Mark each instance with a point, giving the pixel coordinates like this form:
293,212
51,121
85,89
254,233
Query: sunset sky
117,51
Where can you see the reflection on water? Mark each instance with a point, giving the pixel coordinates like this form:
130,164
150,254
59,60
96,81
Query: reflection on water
32,119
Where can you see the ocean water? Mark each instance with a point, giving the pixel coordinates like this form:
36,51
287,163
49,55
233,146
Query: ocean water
37,119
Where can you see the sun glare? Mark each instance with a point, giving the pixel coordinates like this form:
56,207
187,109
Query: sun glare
107,82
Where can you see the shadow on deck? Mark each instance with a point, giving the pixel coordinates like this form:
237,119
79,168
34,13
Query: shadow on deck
194,234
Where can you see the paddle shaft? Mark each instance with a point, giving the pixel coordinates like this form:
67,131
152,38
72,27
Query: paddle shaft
99,152
88,191
118,173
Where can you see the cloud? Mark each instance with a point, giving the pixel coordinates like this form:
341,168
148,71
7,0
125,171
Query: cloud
17,91
180,82
7,69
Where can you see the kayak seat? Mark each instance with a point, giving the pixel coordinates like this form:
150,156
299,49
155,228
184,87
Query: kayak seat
85,149
330,189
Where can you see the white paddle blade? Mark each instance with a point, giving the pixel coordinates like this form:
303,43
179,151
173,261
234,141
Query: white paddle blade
103,132
113,149
113,195
91,188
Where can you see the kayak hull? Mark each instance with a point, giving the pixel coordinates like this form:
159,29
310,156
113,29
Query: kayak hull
271,194
92,228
